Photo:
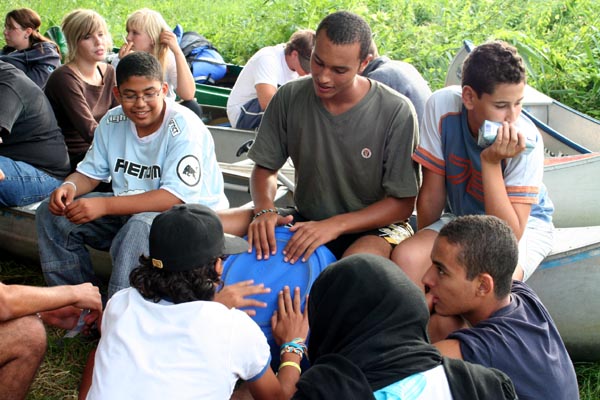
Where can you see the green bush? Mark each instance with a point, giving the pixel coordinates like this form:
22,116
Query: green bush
558,39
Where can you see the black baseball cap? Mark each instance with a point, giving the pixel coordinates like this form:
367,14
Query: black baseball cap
189,236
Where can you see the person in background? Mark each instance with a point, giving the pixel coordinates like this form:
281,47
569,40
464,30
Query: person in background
400,76
155,152
147,31
33,155
265,72
368,340
81,91
470,277
23,310
26,48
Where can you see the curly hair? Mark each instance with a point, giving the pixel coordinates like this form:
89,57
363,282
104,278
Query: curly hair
179,287
491,64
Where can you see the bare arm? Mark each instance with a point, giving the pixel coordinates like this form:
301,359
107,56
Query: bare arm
186,86
64,195
17,300
85,210
449,348
264,93
261,231
288,322
508,144
431,199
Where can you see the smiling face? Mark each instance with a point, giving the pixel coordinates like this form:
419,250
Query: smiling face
15,35
143,102
452,293
334,68
504,104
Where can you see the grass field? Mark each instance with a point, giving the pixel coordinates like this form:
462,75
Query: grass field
58,377
559,40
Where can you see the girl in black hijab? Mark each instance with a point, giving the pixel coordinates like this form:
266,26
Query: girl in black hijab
368,339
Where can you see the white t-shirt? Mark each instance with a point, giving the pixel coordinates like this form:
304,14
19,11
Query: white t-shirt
266,66
179,158
195,350
428,385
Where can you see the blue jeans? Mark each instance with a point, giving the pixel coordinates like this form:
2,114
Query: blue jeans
65,259
24,184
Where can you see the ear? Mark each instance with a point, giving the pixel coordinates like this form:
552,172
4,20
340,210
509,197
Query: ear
485,285
117,94
364,63
468,97
164,88
219,267
28,32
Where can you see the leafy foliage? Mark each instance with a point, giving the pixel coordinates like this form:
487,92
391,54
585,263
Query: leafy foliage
558,38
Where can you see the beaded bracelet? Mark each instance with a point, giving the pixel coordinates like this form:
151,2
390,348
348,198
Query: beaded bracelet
290,364
291,349
296,345
261,212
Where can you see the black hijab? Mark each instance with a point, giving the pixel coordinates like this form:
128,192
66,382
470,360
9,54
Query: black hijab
368,324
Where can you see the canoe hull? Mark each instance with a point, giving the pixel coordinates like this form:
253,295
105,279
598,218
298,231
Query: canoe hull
567,283
574,188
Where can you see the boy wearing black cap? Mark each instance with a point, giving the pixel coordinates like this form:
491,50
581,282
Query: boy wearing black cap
164,337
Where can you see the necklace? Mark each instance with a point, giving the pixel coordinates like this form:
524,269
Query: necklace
95,79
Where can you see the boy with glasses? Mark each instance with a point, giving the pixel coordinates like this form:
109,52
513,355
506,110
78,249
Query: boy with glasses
155,153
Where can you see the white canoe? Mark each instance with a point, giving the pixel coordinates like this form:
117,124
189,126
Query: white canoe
567,283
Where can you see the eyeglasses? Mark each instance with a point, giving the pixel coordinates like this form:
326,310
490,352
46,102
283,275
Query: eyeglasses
147,98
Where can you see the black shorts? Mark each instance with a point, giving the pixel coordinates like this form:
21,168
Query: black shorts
393,234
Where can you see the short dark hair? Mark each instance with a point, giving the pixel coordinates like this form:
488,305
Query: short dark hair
177,286
344,27
487,245
491,64
139,63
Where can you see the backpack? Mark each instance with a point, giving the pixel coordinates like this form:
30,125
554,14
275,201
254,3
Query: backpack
204,60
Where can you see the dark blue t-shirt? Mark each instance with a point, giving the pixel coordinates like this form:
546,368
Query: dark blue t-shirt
522,341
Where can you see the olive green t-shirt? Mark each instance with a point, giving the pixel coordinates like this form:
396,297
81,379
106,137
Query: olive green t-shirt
343,162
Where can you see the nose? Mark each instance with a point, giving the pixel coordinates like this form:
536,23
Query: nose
129,37
513,113
428,279
322,75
